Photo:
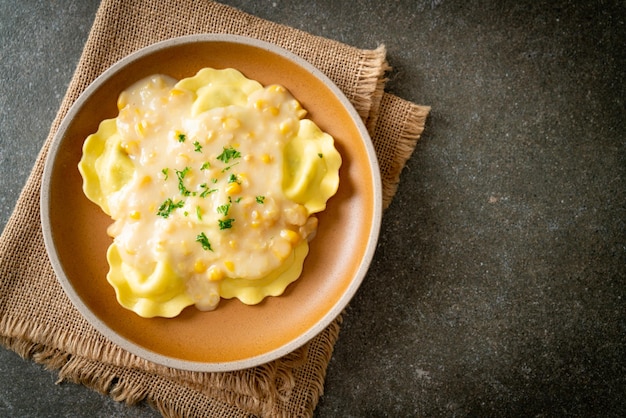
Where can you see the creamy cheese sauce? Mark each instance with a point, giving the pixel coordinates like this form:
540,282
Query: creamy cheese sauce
212,183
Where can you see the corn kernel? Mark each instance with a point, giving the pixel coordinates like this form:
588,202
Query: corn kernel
231,123
176,92
233,188
215,274
145,180
229,265
266,158
277,88
135,214
130,147
273,110
141,127
284,128
259,104
233,244
199,267
290,236
122,100
281,249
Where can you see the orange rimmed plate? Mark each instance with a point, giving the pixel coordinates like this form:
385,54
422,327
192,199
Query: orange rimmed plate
234,336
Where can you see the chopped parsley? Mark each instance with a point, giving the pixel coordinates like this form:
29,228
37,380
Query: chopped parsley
205,190
181,137
320,155
168,207
204,241
223,209
225,223
260,200
228,154
199,213
181,186
197,147
205,166
165,172
228,167
233,179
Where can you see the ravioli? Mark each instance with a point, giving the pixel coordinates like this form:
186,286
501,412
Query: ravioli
213,184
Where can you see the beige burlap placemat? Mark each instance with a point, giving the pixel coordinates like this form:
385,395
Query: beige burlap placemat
39,322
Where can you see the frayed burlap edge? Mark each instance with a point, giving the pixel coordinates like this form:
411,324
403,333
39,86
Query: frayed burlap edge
404,139
134,385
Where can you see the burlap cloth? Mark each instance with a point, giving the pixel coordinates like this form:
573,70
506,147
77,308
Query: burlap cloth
39,322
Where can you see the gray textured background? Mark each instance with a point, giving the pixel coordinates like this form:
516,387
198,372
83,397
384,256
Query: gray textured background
498,285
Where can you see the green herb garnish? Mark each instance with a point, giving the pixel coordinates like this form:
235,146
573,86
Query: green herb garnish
260,199
181,186
181,137
199,213
229,167
168,207
165,172
204,241
205,190
320,155
197,147
205,166
228,154
233,179
225,223
223,209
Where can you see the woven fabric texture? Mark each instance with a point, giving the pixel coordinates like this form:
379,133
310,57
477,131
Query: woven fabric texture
38,321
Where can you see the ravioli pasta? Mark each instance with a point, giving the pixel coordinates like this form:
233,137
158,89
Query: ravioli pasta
212,183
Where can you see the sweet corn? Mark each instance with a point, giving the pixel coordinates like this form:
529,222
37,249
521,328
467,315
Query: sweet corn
215,274
273,110
160,246
231,123
266,158
141,127
277,88
135,214
284,128
176,92
233,244
130,147
281,249
199,267
290,236
229,265
300,112
233,188
259,104
122,101
145,180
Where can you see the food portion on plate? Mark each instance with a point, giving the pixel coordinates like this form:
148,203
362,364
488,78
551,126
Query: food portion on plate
212,183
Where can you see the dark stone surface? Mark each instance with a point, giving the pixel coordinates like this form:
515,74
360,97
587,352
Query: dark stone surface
498,287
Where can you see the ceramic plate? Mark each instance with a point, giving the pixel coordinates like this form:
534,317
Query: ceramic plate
235,335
